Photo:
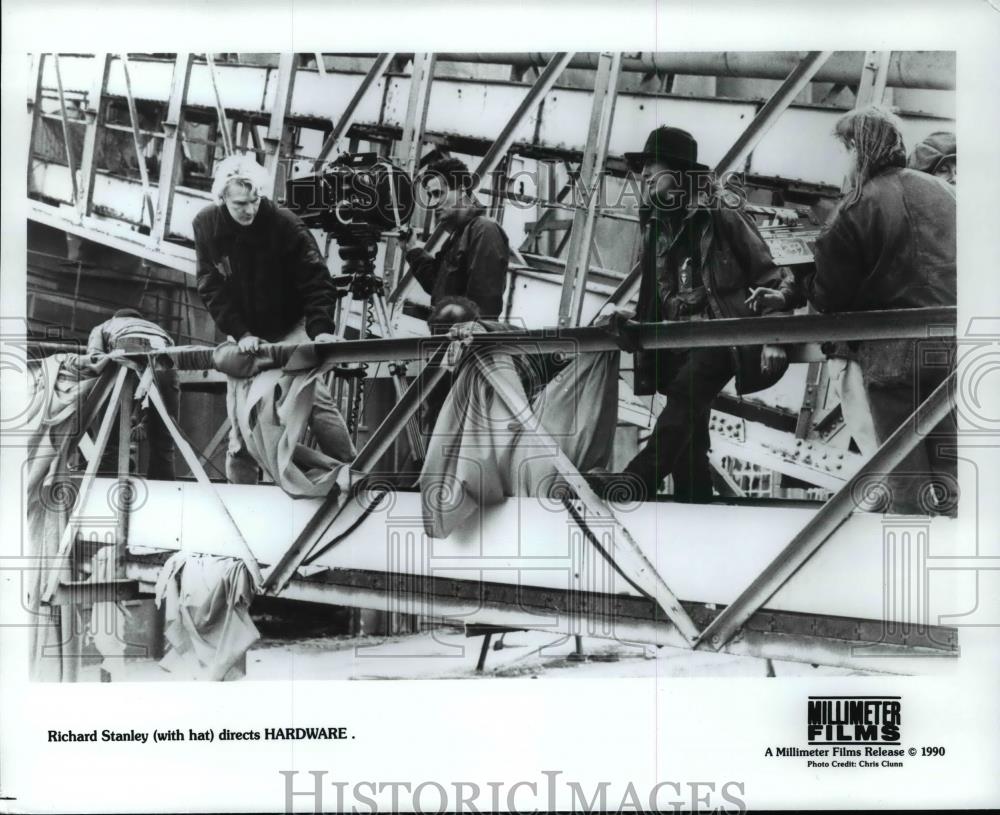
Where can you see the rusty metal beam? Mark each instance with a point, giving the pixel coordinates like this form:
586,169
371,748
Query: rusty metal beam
139,157
627,555
279,133
793,85
67,140
94,113
807,638
227,139
172,153
333,507
591,180
379,67
829,518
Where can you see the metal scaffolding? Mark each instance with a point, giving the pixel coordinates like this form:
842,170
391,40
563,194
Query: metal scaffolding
663,620
294,116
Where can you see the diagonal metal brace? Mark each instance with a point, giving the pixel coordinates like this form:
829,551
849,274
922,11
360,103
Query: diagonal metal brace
378,68
497,150
333,506
628,555
56,568
829,518
191,459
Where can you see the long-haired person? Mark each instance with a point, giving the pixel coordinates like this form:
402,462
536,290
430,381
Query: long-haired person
891,245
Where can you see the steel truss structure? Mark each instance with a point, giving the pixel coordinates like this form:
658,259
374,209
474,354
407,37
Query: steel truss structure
297,111
652,612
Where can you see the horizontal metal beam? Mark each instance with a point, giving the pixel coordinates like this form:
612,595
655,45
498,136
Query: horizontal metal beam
916,323
73,592
531,541
469,108
115,234
813,462
907,69
814,639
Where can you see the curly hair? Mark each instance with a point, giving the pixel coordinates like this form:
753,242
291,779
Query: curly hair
436,319
454,172
875,134
241,170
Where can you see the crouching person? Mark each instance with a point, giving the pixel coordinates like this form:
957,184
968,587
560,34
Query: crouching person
128,330
263,279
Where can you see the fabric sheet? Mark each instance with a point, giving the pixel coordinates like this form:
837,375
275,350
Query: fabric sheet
207,616
481,452
271,409
55,416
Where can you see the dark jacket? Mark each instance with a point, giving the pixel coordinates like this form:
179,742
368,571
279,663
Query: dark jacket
894,248
472,263
728,256
264,278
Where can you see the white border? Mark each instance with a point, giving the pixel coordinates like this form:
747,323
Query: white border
616,730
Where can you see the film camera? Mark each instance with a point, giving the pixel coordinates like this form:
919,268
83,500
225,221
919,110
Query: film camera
355,200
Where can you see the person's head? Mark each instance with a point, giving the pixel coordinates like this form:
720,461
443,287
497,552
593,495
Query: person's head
873,139
449,311
447,185
936,155
668,167
239,184
128,312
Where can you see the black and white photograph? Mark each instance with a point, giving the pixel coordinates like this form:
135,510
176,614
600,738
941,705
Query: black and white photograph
558,380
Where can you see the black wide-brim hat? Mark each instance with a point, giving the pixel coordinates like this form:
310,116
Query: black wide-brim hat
671,145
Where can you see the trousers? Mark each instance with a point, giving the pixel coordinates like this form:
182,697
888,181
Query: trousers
926,481
325,422
679,443
160,465
848,382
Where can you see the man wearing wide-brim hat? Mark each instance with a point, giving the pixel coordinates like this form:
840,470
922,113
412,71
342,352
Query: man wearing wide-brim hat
702,259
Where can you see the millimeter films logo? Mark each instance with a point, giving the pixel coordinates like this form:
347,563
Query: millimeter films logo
854,719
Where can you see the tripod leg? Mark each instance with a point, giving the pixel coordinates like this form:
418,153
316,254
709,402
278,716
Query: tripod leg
398,379
344,313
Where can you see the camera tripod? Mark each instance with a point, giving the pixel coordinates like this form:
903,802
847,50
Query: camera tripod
360,284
